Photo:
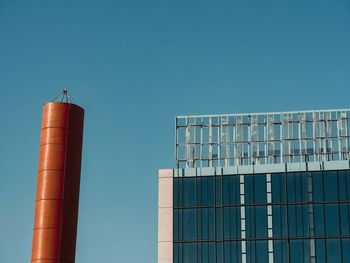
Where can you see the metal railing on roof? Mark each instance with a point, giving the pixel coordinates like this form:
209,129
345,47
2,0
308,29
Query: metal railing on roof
262,138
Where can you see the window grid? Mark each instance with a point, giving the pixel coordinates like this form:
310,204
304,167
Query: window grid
224,215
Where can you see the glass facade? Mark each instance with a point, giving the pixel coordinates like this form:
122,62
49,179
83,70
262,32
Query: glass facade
299,217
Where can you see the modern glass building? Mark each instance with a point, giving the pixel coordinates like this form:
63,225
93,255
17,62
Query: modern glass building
265,187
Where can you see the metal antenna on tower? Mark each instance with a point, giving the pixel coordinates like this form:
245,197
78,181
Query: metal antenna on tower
64,96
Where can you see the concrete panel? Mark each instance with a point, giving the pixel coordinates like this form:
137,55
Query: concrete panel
336,165
165,192
314,166
207,171
165,173
227,170
190,172
165,216
165,224
296,167
165,252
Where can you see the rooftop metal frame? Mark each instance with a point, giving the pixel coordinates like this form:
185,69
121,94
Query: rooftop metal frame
262,138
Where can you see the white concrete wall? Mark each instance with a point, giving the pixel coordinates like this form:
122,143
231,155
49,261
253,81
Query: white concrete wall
165,216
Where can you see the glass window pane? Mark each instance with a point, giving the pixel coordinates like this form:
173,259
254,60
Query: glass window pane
177,192
189,252
344,219
345,250
332,219
176,224
218,190
189,191
291,187
211,221
319,220
226,189
298,187
261,251
260,188
342,185
177,255
276,188
333,250
276,219
306,251
296,251
320,251
219,256
218,223
317,186
249,189
292,220
189,224
304,188
330,182
250,221
210,191
261,221
234,190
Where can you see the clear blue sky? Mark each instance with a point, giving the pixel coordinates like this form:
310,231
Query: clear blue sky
133,65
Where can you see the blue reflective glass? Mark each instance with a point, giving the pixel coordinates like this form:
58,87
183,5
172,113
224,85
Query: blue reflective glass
333,250
206,252
276,219
292,222
260,188
291,187
226,189
344,219
177,192
296,251
261,221
348,184
249,189
306,210
278,188
250,221
261,251
205,223
176,224
299,215
176,252
219,252
346,250
320,251
277,251
232,221
319,220
203,252
205,191
189,252
218,223
189,224
342,185
332,219
304,186
298,187
317,186
234,189
189,191
211,252
330,182
306,251
218,191
251,254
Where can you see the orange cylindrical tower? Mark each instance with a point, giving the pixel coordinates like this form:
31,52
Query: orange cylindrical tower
57,195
